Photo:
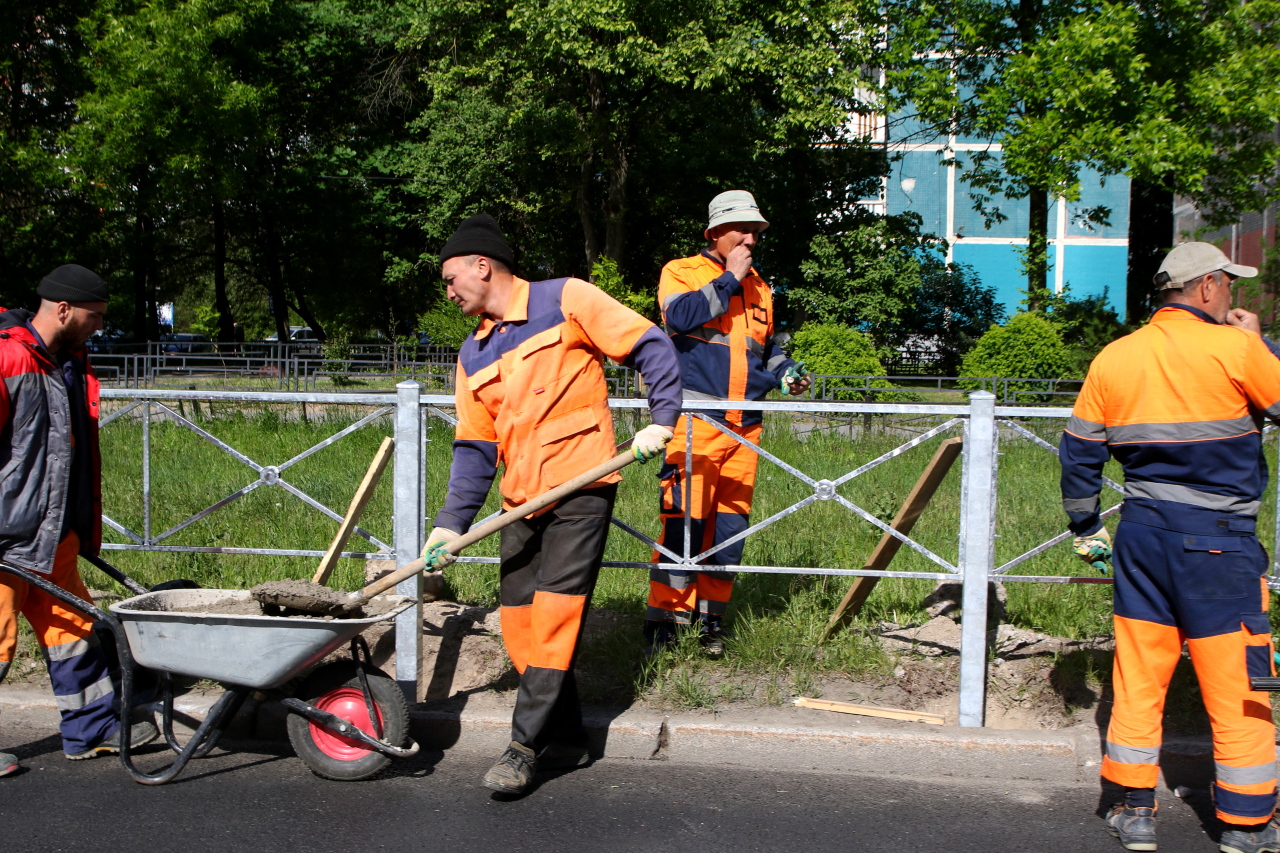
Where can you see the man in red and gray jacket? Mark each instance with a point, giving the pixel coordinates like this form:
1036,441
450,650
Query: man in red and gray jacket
51,500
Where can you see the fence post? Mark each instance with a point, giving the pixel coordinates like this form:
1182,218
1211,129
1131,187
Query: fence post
977,528
408,533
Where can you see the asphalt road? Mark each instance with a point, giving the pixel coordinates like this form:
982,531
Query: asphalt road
261,798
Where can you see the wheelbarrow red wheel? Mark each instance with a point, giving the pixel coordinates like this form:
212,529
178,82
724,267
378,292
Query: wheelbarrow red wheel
335,688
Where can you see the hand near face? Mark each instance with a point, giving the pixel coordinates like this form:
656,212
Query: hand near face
738,261
1246,320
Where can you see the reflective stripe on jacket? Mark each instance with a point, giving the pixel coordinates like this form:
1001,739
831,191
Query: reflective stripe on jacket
36,448
531,393
1179,403
723,331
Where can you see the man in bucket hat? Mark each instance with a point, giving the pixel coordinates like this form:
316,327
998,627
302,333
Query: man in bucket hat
719,314
1179,403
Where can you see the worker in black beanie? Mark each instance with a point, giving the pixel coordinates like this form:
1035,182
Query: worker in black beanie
52,509
530,397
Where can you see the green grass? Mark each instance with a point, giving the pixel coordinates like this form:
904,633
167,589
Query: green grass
777,618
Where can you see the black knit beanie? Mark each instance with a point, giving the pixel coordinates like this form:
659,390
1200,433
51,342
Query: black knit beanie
479,235
73,283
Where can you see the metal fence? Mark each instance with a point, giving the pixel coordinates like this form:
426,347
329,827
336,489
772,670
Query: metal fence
980,420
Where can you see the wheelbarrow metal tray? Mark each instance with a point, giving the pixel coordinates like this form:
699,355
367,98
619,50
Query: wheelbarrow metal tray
261,652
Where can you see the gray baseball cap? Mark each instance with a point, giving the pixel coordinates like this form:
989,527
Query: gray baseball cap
1189,261
733,206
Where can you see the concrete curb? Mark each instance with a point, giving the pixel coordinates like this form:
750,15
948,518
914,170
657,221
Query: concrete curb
789,739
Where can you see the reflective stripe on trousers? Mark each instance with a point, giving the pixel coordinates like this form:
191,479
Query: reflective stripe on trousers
77,668
1207,590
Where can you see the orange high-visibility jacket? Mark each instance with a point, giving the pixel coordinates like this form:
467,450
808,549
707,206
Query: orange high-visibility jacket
1179,403
723,331
531,393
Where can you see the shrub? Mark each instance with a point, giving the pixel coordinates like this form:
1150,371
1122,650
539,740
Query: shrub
828,349
445,324
606,276
1027,347
1088,324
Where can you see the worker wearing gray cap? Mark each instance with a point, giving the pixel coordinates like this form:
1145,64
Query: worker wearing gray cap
719,314
1180,404
51,501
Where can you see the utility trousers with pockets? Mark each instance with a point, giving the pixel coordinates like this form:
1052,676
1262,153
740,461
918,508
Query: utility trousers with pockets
77,666
550,564
1186,574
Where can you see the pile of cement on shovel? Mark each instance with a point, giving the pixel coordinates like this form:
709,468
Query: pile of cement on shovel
303,598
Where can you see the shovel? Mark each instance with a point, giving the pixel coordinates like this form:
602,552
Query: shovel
323,601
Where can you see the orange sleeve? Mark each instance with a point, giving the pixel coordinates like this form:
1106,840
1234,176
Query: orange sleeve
474,421
601,320
1260,377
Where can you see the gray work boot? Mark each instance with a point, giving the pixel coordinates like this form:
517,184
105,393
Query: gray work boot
1136,828
9,764
1265,840
514,770
140,734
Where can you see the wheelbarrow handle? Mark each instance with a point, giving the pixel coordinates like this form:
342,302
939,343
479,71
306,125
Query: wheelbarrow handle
114,573
475,534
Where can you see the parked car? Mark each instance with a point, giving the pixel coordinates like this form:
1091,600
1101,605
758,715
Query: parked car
185,342
104,342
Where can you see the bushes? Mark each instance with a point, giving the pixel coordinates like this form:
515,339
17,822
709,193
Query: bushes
831,350
1028,347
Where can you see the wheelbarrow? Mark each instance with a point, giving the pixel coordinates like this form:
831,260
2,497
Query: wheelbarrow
347,719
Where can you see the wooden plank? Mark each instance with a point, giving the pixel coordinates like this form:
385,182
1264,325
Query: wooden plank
358,503
868,711
888,545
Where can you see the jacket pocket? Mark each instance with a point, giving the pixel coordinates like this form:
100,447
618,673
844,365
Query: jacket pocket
567,425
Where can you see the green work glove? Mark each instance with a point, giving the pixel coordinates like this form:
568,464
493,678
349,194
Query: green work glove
434,553
794,374
1094,549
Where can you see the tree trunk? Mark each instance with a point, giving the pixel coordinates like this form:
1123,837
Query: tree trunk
615,206
591,242
304,311
226,322
1036,259
275,282
1150,236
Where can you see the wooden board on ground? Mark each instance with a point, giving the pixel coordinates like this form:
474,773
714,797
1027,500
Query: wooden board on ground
868,711
889,544
358,503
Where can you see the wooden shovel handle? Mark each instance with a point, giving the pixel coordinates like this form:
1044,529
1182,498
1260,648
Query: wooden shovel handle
527,508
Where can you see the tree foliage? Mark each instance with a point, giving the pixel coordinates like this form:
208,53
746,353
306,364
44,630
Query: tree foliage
883,276
1177,93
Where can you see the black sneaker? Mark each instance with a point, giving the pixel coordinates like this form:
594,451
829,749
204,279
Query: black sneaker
1265,840
1136,828
140,734
563,756
514,770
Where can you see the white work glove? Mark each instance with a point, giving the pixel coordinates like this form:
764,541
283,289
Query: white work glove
650,442
434,553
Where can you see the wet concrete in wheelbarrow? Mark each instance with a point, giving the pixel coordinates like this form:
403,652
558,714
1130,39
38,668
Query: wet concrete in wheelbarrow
305,599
